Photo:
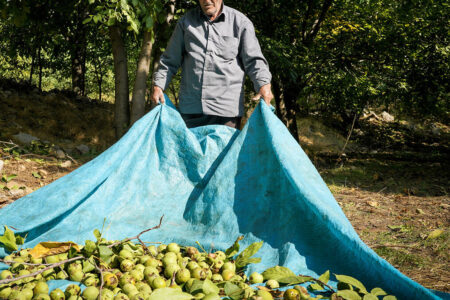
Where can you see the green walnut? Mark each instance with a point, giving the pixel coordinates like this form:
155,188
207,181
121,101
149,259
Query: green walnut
72,290
57,294
182,276
255,277
41,287
173,247
90,293
291,294
265,295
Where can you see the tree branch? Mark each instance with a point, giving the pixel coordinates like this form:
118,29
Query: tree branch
8,280
318,22
138,236
305,20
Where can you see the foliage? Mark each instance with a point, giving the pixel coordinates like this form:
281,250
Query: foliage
377,53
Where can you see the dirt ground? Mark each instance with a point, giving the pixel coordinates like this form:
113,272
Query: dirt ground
400,228
399,207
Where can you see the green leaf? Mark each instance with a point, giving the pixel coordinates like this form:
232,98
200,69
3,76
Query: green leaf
134,26
148,22
72,252
277,273
370,297
291,280
111,21
243,259
254,260
315,287
97,234
105,254
90,246
390,297
234,249
87,20
161,18
169,293
36,175
378,292
91,1
88,265
8,239
8,178
352,281
196,287
233,291
20,240
349,295
209,287
325,277
435,233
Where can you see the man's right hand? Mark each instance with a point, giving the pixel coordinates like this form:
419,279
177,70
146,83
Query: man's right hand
157,95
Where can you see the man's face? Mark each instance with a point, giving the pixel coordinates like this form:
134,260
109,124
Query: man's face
211,7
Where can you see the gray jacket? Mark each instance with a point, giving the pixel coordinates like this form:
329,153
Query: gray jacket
214,57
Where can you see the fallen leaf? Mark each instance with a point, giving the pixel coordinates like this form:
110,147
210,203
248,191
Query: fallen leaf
66,164
373,203
43,173
395,227
51,248
435,233
419,211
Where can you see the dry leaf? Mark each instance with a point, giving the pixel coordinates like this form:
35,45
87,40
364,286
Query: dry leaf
51,248
373,203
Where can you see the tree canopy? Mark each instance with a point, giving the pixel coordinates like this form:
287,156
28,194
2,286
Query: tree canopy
328,56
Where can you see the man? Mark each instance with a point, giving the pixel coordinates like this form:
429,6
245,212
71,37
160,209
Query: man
215,46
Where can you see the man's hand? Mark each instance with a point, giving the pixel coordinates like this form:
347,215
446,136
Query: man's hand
266,93
157,95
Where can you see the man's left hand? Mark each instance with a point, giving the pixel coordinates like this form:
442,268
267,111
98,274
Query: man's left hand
265,92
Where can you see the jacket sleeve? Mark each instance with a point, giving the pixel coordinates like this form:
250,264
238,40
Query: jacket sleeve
254,62
171,59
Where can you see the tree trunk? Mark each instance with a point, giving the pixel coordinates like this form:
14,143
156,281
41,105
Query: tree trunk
78,54
285,98
279,105
289,99
40,68
33,59
78,69
121,106
100,82
99,77
140,84
162,35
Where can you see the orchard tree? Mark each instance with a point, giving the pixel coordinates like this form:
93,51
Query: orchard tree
40,28
139,17
287,31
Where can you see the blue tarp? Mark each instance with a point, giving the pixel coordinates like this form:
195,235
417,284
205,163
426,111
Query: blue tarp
212,184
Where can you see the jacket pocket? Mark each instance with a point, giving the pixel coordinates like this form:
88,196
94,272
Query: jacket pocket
228,47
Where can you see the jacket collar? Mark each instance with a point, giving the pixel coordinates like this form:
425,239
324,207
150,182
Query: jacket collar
221,17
